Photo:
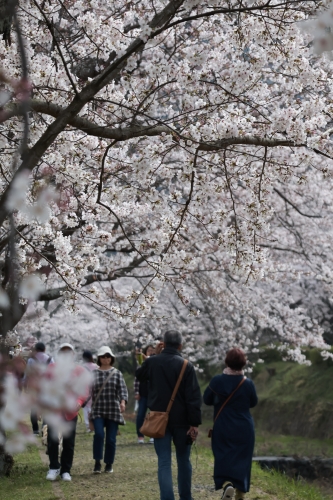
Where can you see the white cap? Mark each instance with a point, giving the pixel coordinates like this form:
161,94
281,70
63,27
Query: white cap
105,350
66,345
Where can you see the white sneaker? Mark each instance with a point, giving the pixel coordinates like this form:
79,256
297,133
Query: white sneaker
53,474
151,440
66,476
141,440
227,491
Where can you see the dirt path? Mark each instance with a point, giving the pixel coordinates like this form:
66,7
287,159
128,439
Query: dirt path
135,472
135,475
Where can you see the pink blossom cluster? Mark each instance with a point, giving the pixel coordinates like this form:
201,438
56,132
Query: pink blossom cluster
49,390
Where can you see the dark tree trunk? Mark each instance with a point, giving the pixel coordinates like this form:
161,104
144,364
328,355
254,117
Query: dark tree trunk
6,463
5,21
11,316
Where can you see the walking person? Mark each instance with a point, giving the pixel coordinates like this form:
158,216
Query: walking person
38,356
109,398
88,363
63,468
162,371
141,395
232,395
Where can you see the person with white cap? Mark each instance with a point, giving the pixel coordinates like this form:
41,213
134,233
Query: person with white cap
66,460
109,398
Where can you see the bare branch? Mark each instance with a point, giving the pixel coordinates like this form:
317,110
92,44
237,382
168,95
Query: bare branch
188,201
228,10
294,206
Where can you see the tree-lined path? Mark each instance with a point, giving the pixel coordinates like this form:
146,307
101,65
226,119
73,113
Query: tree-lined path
134,476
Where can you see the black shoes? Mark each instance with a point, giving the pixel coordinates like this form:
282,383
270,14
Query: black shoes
98,467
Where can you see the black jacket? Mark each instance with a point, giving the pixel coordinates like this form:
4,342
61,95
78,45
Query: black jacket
162,372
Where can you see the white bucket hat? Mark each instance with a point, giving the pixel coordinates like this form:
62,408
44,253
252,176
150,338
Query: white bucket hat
105,350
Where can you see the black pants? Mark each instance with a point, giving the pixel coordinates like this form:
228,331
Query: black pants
67,454
34,421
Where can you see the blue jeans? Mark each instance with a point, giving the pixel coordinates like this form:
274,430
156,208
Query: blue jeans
183,452
111,429
143,402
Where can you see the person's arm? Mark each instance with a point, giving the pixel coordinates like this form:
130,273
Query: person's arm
122,392
192,397
253,396
136,389
142,373
94,388
209,395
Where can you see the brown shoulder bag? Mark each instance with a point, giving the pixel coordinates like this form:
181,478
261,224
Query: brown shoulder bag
210,432
155,423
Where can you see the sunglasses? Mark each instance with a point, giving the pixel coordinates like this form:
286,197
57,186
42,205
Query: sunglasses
105,356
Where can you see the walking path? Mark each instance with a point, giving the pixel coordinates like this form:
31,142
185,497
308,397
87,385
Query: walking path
134,476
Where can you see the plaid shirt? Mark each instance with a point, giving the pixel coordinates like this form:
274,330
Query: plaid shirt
108,403
136,387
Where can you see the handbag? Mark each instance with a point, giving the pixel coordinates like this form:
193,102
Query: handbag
210,432
91,423
155,423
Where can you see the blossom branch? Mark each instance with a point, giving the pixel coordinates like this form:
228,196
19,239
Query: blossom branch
126,133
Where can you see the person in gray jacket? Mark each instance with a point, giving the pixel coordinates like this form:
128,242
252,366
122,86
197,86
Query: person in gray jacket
162,372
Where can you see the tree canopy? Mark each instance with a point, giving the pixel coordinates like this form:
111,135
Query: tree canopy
184,145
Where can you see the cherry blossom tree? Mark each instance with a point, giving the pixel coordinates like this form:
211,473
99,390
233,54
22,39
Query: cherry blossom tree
168,130
184,145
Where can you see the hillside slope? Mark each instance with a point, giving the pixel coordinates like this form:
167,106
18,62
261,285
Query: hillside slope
295,399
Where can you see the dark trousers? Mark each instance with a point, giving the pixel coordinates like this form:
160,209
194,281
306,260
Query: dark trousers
183,452
142,410
34,421
67,454
111,429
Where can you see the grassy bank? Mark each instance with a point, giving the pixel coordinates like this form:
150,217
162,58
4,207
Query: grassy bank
134,476
295,400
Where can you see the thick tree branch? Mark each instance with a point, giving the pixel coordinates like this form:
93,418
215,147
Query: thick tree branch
34,155
89,127
52,294
56,293
126,133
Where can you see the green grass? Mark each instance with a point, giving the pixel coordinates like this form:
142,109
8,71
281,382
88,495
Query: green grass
293,382
274,485
270,444
134,476
295,400
27,480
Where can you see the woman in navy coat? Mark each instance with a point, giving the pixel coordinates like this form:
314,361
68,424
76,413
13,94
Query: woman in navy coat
233,432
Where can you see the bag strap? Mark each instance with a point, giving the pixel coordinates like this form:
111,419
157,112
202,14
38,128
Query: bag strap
103,385
229,397
182,371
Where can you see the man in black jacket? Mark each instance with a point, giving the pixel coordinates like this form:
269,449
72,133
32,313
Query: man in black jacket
162,372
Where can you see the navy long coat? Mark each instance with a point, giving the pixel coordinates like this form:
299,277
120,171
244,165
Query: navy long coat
233,431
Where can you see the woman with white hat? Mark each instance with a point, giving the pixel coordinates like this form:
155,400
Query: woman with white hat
109,398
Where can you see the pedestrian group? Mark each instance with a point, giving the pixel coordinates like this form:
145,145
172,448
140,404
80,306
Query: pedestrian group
167,385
